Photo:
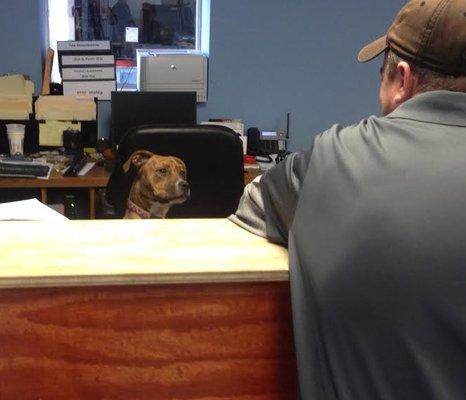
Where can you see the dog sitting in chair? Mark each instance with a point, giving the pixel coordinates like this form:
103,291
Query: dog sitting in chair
159,184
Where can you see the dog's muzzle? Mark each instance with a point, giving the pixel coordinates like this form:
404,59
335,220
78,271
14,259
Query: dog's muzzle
180,193
183,186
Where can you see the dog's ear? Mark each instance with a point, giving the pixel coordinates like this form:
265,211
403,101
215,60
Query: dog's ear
180,162
138,158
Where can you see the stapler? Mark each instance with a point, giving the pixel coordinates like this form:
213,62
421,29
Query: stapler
77,163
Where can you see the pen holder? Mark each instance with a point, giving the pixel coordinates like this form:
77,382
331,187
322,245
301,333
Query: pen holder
72,141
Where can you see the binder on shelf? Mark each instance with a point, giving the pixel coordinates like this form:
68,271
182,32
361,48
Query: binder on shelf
88,73
87,60
83,48
83,45
100,89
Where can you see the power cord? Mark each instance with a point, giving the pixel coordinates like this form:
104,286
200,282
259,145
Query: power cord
282,154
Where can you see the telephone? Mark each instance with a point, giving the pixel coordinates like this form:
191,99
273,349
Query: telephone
264,143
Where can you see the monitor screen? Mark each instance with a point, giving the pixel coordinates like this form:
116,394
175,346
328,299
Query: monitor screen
130,109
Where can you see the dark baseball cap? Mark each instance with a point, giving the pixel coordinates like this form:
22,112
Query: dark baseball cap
428,33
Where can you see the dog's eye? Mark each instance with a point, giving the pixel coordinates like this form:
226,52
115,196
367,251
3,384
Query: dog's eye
183,173
163,171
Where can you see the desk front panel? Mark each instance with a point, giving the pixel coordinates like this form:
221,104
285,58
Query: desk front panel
183,341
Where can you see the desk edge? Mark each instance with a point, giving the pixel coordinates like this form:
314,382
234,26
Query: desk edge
143,279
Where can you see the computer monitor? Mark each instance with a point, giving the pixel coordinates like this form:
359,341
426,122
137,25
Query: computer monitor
130,109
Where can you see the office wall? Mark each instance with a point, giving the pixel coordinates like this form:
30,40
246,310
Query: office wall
22,38
267,57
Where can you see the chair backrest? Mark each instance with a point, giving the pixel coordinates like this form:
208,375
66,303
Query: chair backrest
214,160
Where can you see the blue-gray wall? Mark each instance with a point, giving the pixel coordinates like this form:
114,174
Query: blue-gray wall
22,29
267,57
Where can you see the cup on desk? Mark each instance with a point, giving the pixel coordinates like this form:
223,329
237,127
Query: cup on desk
15,134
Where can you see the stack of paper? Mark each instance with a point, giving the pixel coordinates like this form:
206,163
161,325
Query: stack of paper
15,97
28,210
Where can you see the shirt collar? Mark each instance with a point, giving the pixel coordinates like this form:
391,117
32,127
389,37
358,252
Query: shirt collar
437,107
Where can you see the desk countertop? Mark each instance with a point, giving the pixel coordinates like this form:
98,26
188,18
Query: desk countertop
113,252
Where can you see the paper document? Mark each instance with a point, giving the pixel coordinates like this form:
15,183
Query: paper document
86,168
66,108
28,210
51,132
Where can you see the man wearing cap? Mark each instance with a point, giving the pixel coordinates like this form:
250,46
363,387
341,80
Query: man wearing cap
374,216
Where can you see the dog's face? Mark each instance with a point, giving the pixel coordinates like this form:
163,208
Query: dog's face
161,179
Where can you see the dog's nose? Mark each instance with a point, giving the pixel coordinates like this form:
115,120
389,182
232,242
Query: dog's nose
183,185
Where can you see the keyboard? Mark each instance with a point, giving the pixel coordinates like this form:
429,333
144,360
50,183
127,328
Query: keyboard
24,169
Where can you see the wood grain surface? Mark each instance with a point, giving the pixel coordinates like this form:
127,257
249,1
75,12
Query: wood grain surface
197,341
106,252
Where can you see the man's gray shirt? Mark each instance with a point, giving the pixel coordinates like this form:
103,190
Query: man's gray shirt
374,216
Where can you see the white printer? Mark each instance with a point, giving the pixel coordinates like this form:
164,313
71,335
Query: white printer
177,72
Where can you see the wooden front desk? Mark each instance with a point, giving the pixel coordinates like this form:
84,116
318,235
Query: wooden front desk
153,309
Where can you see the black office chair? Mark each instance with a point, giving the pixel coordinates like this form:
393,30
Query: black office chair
214,160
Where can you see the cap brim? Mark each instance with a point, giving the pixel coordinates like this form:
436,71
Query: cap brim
373,49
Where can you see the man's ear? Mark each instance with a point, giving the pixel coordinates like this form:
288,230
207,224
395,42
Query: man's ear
138,159
406,83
